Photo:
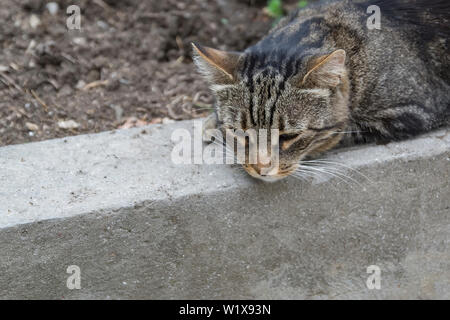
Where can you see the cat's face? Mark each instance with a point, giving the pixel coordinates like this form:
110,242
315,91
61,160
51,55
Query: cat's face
309,109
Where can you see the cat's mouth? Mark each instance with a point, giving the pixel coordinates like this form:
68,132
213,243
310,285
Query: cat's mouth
269,175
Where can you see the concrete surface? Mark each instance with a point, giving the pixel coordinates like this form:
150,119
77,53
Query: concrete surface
139,226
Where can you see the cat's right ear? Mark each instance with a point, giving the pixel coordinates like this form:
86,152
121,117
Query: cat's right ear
219,67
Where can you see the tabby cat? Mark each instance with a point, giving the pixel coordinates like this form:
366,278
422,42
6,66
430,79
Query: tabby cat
323,78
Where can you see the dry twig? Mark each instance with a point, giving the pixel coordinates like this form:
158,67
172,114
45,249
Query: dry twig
44,105
95,84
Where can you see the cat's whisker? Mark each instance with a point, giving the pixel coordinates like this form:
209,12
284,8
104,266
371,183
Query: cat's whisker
335,174
299,177
347,131
300,173
306,171
330,162
229,154
303,175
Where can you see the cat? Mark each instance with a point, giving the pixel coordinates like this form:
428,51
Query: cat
323,78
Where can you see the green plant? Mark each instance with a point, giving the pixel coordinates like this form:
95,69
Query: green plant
302,3
275,8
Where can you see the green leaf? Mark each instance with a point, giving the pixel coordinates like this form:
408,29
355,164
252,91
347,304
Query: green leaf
302,3
275,8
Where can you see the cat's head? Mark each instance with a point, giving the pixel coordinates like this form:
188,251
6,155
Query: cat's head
305,99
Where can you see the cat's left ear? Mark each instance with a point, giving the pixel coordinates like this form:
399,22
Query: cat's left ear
326,71
219,67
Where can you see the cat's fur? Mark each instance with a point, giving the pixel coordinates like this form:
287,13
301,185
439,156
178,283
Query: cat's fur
322,77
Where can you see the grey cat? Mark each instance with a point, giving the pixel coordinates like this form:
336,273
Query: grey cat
323,78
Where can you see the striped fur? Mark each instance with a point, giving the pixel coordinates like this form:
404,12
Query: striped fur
394,84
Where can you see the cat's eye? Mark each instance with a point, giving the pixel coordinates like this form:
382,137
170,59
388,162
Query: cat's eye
287,136
288,139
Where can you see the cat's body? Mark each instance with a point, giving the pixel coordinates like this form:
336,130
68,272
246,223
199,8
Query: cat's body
399,75
322,77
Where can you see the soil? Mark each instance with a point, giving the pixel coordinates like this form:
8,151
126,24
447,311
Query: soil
129,65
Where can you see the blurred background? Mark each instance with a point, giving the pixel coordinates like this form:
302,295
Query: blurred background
129,65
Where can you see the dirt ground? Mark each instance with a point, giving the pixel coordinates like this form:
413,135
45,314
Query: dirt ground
129,65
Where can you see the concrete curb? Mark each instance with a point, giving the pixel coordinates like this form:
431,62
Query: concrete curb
139,226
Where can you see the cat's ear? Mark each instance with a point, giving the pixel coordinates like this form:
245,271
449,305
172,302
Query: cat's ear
219,67
326,71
